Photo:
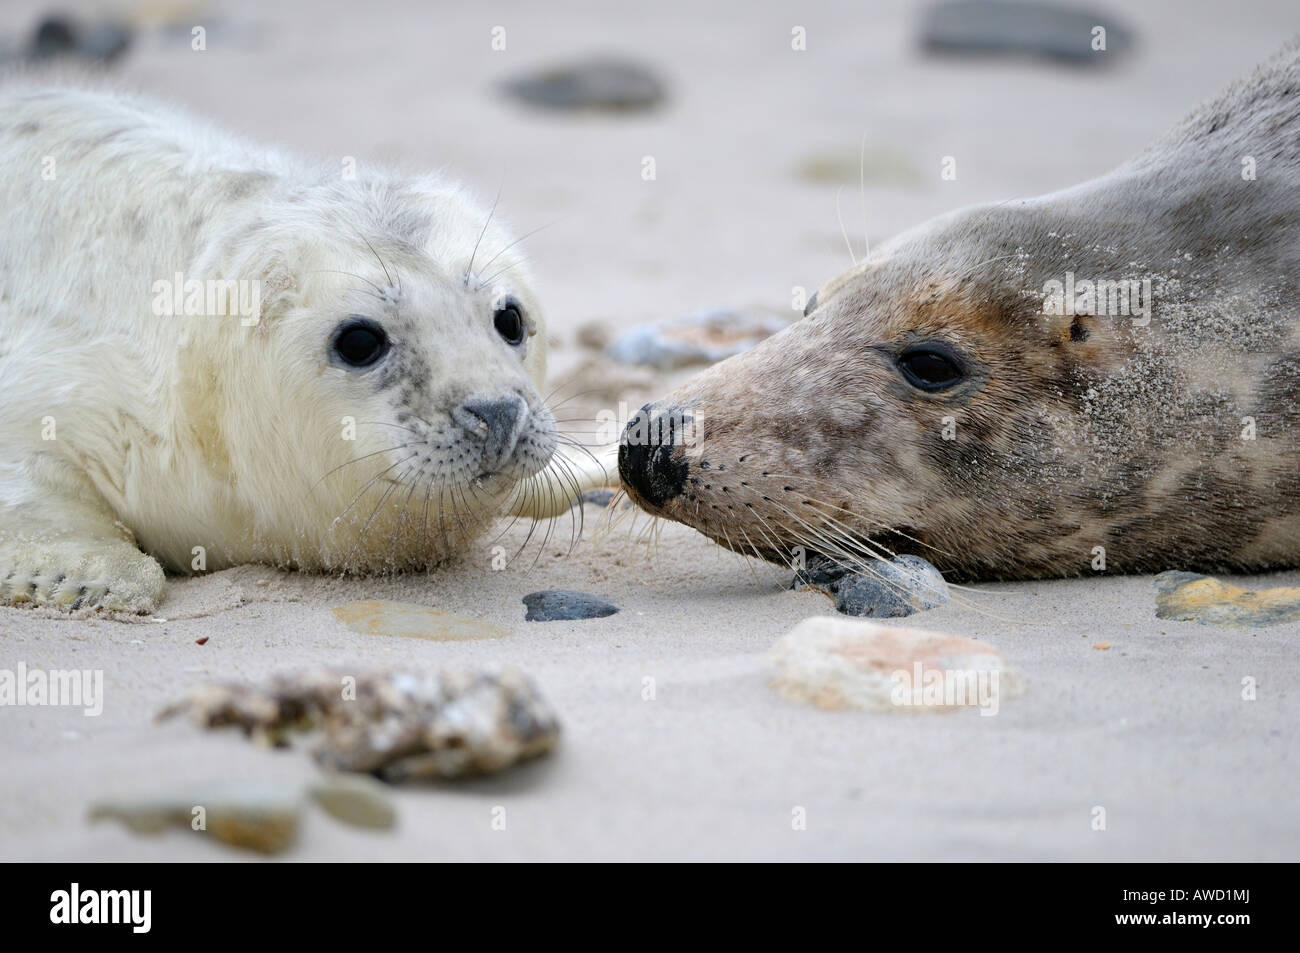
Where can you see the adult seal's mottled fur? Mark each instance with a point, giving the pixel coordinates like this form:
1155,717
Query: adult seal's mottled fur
212,353
1103,377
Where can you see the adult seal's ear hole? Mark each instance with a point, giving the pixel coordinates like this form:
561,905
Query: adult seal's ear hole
359,343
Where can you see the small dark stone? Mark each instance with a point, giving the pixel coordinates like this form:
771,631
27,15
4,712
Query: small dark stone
605,84
100,42
599,497
1021,27
554,605
880,589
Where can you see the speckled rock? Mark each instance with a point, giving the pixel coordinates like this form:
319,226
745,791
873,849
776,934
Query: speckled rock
1191,597
878,589
254,817
837,663
704,337
396,725
600,83
555,605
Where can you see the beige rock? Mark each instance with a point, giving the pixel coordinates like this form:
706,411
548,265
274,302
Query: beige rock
840,663
355,800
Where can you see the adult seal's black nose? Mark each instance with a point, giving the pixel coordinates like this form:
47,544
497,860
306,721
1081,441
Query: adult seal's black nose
497,421
651,460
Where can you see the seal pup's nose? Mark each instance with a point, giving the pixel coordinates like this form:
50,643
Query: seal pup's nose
497,421
651,461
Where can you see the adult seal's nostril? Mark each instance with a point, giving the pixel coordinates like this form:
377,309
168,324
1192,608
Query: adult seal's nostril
497,421
651,461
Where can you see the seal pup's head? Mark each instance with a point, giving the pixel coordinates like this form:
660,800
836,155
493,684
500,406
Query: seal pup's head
385,405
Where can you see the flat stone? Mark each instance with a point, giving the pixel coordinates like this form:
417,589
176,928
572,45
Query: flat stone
252,817
878,588
1021,28
355,800
410,621
555,605
1192,597
847,664
704,337
605,84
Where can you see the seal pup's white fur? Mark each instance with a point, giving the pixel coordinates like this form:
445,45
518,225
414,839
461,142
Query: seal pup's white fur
133,441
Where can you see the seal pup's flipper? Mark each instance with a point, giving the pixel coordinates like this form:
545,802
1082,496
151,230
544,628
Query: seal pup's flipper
571,472
65,553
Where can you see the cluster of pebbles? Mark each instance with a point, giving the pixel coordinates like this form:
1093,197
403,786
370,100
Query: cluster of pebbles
397,726
876,588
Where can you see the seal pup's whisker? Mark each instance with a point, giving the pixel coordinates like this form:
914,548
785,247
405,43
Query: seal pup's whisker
360,459
378,292
483,281
368,484
381,263
492,211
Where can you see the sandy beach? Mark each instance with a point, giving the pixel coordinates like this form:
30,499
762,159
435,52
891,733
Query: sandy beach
751,147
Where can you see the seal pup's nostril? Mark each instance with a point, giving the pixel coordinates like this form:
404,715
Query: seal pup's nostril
650,458
497,421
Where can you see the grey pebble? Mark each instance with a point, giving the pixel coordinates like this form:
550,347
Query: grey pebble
1020,27
600,83
554,605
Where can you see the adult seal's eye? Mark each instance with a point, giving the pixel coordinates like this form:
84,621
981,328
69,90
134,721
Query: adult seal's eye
509,322
929,369
359,342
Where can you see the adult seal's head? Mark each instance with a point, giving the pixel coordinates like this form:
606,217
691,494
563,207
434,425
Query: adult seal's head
1107,377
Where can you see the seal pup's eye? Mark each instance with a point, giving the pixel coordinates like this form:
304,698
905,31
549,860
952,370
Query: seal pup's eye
359,342
509,322
929,369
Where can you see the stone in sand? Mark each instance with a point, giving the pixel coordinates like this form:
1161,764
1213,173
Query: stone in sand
397,725
836,663
600,83
254,817
877,588
555,605
408,620
598,497
704,337
355,800
1192,597
1019,27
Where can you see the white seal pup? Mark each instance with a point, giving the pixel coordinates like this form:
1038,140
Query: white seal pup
213,353
1106,378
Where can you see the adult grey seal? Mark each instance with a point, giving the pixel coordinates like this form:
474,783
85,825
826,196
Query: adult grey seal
1103,377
